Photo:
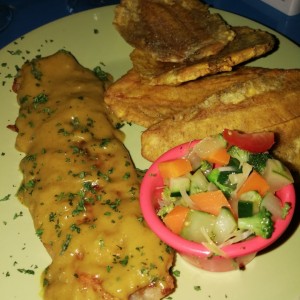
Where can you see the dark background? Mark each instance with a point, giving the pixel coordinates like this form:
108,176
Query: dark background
30,14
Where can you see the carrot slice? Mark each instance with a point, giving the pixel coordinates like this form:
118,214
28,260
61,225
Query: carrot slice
174,220
220,157
255,182
210,202
174,168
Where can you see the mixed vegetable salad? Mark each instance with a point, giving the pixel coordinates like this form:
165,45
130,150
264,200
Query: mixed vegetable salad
223,190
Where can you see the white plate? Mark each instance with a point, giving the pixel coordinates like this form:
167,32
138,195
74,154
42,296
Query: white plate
272,275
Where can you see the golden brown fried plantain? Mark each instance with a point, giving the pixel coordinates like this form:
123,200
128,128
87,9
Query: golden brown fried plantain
270,102
170,30
248,44
133,100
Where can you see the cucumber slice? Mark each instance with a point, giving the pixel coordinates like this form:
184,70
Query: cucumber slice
245,209
224,226
209,145
195,222
199,183
273,205
177,184
277,175
249,204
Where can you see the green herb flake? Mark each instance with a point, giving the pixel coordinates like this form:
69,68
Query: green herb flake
40,99
17,215
126,176
16,52
45,282
24,99
114,205
197,288
140,219
66,243
52,217
77,150
100,73
104,142
101,243
176,273
39,232
124,261
108,268
119,125
35,71
103,176
26,271
79,208
30,157
75,122
74,227
5,198
30,184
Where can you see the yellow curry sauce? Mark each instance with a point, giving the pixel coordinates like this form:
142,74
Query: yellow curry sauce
81,187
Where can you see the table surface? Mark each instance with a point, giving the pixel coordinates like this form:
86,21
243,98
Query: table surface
30,14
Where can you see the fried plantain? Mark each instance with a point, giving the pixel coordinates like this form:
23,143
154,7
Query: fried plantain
133,100
248,44
172,31
269,102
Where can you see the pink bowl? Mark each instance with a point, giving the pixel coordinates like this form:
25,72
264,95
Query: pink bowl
238,255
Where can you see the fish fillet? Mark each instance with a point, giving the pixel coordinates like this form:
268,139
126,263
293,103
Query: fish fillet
82,190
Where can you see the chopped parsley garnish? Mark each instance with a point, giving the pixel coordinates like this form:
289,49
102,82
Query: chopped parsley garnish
16,215
100,73
40,99
35,71
108,268
30,184
113,204
23,99
45,282
66,243
26,271
126,175
119,125
5,198
52,217
79,208
103,176
75,122
30,157
176,273
124,261
74,227
39,232
104,142
16,52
